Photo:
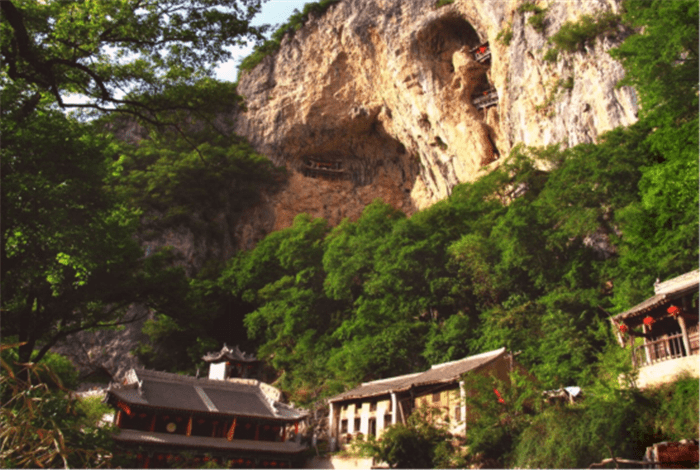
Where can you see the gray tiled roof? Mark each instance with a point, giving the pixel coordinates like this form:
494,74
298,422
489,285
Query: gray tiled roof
665,293
440,373
236,397
214,443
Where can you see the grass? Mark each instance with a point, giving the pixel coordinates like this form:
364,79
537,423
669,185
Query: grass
538,19
505,35
574,36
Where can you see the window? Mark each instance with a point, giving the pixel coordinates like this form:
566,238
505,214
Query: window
436,397
458,413
387,420
357,425
373,406
344,426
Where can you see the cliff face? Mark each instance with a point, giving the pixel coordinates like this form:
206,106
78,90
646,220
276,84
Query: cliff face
376,98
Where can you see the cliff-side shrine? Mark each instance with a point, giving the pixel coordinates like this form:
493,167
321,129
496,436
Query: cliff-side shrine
323,169
484,98
165,418
482,53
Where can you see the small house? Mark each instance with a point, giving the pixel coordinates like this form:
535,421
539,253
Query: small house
374,406
234,421
662,331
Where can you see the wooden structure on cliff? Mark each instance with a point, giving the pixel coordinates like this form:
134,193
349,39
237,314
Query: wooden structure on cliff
166,418
482,53
324,169
486,99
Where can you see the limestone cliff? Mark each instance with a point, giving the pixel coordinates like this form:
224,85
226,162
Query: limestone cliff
376,99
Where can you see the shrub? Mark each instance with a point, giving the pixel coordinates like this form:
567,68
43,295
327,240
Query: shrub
41,427
55,371
416,444
575,35
676,406
551,55
579,435
537,20
505,35
442,3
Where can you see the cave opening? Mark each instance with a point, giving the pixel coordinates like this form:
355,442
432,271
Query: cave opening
435,44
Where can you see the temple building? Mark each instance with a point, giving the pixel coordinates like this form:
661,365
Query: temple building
662,331
237,422
374,406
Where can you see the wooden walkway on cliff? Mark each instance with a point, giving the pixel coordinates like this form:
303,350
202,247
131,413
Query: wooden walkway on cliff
482,53
323,169
487,99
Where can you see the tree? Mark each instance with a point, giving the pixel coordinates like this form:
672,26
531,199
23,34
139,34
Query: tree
41,427
70,261
119,54
416,444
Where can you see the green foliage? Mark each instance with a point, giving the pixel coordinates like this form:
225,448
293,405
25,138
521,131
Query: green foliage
442,3
101,49
416,444
575,437
175,184
497,411
70,261
293,24
57,371
576,35
94,409
41,427
675,409
505,35
538,18
662,59
551,55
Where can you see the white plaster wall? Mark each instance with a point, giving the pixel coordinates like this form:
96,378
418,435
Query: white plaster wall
667,371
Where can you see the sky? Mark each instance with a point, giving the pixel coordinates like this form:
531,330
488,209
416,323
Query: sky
274,12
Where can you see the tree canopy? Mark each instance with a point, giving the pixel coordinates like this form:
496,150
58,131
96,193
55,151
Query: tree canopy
121,54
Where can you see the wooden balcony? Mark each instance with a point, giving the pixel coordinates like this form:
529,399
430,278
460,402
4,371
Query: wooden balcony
487,99
481,53
660,360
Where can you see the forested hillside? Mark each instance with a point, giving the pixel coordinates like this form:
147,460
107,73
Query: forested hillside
533,256
524,258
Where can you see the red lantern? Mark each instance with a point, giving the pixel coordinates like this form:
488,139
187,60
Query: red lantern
648,321
623,328
674,311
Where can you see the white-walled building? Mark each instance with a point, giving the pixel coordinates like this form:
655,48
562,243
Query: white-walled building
373,406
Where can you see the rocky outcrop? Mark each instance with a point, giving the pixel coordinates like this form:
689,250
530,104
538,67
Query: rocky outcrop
376,99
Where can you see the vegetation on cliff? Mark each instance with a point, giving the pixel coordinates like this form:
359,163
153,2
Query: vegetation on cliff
523,258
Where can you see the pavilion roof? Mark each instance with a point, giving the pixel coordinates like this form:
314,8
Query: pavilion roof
229,354
233,397
448,372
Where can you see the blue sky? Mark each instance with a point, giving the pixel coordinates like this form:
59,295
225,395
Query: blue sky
274,12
